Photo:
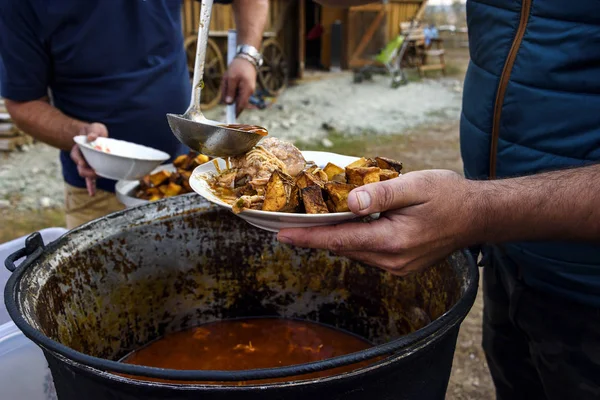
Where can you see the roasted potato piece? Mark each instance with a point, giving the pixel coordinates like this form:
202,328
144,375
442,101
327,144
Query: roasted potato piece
306,179
362,175
142,194
158,185
186,175
362,163
387,174
312,196
281,194
189,164
338,196
180,160
145,182
176,178
201,159
152,191
332,171
317,172
388,163
172,189
154,198
320,174
341,178
159,178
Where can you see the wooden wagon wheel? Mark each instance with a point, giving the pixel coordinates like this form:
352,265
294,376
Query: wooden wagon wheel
214,68
273,75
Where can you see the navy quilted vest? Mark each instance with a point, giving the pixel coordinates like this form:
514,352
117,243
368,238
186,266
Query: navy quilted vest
534,84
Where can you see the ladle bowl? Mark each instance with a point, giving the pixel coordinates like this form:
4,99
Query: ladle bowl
212,138
193,129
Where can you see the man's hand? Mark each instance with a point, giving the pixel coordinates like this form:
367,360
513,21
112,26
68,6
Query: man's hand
239,83
93,131
425,216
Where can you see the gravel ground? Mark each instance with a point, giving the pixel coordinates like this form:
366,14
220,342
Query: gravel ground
302,112
31,179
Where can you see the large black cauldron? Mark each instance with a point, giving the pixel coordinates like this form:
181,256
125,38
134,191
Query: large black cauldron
117,283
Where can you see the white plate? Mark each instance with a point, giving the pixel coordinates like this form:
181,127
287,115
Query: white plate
123,161
269,220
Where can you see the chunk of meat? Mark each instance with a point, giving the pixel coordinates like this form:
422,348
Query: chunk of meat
256,166
226,179
288,153
248,202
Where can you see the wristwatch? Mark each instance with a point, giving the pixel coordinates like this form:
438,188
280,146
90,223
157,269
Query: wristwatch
251,54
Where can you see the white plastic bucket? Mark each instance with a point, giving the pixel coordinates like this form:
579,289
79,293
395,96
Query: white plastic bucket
6,249
24,372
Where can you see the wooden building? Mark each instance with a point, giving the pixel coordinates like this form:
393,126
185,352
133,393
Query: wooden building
299,35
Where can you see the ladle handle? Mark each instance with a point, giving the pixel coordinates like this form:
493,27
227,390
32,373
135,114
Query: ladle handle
203,29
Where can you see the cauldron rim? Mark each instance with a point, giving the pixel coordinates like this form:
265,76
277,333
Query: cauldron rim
397,348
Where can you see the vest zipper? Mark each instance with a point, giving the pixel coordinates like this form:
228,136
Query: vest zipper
503,84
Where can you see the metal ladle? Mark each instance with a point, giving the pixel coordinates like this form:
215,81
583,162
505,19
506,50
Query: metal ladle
209,137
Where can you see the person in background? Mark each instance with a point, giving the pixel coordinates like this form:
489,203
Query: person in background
530,143
430,32
108,68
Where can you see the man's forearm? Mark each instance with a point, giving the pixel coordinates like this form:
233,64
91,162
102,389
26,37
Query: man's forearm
44,122
561,205
250,20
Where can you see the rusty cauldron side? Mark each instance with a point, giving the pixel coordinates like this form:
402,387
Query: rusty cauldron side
117,283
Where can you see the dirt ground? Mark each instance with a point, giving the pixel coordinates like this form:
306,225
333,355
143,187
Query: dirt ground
424,135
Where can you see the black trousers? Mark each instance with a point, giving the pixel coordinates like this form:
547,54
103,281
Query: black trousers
537,346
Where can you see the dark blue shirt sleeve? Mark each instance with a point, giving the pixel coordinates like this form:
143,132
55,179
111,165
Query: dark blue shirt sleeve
24,60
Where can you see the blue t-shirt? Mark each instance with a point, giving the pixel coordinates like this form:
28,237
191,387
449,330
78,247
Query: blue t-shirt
118,62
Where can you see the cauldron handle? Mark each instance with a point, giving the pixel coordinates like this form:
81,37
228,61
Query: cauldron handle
34,247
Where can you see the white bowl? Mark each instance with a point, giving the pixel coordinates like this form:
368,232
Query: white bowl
269,220
122,160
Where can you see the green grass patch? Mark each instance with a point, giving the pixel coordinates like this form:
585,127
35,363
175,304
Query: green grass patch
20,223
353,145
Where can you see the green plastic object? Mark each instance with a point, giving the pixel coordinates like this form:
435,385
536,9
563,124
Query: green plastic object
387,53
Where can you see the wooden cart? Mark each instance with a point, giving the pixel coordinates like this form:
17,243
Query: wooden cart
272,76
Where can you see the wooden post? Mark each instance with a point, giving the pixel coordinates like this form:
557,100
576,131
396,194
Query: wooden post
355,58
302,37
421,11
336,46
